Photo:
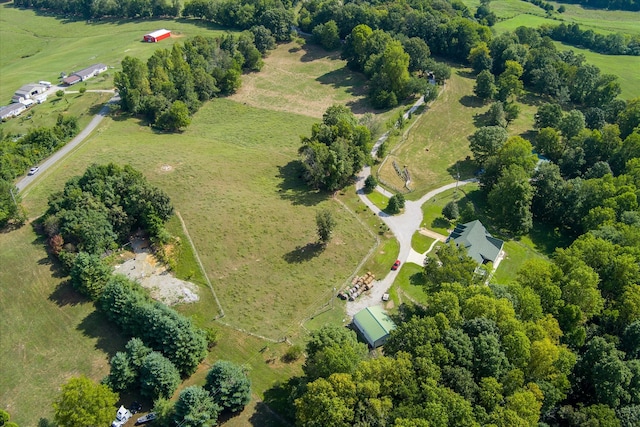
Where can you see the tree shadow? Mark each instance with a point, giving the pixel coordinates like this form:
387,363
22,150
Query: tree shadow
481,119
293,188
314,52
65,294
281,396
440,222
108,338
546,238
343,78
263,416
471,101
304,253
417,279
44,422
466,168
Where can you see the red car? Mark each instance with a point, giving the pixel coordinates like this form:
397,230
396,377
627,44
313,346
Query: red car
396,265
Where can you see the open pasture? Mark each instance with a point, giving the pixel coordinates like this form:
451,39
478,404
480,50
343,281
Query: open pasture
234,178
38,47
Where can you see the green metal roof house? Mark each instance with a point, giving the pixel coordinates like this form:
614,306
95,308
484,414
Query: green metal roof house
374,325
480,245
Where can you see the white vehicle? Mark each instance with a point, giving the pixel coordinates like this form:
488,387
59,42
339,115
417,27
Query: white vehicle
122,416
33,170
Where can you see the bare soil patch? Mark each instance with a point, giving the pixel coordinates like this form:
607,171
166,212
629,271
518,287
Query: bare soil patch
142,266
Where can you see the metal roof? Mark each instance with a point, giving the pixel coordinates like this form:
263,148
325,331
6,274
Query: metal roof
480,245
374,324
158,33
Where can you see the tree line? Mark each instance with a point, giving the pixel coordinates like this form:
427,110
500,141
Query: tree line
607,4
174,82
609,44
19,153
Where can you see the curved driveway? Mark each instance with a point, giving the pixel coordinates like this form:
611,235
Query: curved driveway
58,155
402,226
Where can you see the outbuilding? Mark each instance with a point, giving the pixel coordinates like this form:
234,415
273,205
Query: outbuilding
374,324
12,110
156,36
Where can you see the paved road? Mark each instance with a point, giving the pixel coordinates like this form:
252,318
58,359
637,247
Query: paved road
402,226
58,155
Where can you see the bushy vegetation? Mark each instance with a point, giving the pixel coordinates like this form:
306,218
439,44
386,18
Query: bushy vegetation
173,83
336,151
158,326
19,153
101,209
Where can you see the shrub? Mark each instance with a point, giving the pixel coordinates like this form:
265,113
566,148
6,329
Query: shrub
451,211
370,183
292,354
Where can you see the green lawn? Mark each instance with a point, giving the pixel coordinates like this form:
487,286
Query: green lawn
380,200
38,47
421,243
48,332
516,253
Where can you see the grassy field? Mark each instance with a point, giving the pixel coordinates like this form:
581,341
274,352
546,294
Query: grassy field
38,47
438,140
49,333
624,66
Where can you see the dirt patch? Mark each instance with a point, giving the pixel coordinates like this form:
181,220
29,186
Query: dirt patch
166,168
145,269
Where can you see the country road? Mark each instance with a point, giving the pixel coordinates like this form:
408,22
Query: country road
58,155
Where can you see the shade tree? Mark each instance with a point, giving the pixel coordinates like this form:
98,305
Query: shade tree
228,385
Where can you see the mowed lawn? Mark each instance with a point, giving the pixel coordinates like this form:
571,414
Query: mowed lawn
38,47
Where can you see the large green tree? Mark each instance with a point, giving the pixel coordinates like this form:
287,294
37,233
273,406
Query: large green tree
84,403
228,385
510,200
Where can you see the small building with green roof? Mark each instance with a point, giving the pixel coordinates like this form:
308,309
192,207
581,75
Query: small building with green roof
374,325
480,245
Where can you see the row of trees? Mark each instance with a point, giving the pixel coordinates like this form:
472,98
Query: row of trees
97,212
609,44
173,83
83,402
275,15
19,153
607,4
109,8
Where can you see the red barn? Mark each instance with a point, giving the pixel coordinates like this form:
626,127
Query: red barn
156,36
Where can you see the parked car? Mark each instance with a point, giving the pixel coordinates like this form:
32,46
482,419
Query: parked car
395,265
146,418
33,170
122,416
